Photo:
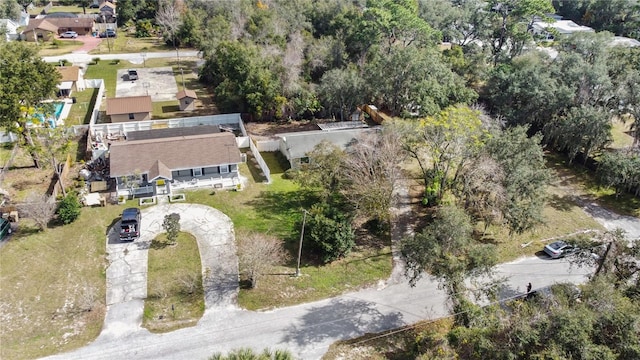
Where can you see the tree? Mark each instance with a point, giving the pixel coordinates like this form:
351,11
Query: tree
460,22
40,208
371,171
330,233
171,225
168,17
620,170
584,129
323,171
54,144
340,91
84,4
442,144
25,80
481,189
69,208
446,250
526,177
511,23
416,82
9,9
257,253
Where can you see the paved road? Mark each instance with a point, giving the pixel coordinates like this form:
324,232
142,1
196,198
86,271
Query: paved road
307,330
136,58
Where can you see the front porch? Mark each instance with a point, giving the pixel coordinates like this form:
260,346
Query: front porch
161,187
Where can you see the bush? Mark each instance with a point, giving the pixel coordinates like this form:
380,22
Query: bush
171,225
115,61
330,233
95,60
69,208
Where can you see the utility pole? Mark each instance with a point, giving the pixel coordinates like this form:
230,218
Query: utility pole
304,218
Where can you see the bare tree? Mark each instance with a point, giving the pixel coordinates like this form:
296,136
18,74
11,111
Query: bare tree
371,171
54,144
257,253
168,17
40,208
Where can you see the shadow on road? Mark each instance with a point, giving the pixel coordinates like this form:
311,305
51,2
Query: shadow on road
543,256
343,319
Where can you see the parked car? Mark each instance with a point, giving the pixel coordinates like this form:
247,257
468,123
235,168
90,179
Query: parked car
130,224
559,249
5,228
69,34
132,74
94,6
109,33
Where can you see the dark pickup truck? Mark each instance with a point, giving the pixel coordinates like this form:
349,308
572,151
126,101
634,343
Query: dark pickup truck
130,224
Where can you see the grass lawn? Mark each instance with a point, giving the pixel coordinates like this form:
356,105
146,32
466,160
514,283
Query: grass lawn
81,111
53,285
54,48
70,9
174,284
620,134
129,44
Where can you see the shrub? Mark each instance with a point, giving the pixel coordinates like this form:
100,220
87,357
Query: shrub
69,208
95,60
330,233
171,225
115,61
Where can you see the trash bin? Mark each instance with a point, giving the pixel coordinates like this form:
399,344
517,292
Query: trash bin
73,99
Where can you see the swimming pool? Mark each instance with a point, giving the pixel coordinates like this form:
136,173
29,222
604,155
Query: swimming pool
52,120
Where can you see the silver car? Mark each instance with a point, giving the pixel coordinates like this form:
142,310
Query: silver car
69,35
559,249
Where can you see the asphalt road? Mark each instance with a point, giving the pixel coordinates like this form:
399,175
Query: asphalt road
308,330
136,58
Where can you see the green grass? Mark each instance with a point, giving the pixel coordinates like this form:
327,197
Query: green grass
586,185
165,109
620,134
70,9
124,44
81,111
174,284
45,276
54,48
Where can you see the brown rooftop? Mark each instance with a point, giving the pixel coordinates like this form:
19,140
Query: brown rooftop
71,22
186,93
41,24
129,105
69,73
156,157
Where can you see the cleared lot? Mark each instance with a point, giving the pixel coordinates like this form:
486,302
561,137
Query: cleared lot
159,83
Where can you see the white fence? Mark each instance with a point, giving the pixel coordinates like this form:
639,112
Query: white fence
268,145
123,128
260,160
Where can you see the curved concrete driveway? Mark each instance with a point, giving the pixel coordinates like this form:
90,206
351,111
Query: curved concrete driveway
127,272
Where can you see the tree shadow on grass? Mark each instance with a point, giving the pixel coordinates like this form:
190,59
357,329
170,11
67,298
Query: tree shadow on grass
170,108
341,319
561,203
283,204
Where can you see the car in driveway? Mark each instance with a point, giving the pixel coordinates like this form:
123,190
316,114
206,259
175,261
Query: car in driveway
559,249
109,33
132,74
69,35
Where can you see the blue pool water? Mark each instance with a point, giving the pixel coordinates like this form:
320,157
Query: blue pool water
58,106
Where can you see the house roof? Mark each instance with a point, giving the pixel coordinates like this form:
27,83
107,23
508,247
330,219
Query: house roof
172,132
186,93
157,157
564,27
129,105
75,22
69,73
42,24
299,144
106,3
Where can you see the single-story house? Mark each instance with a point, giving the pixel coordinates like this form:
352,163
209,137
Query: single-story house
71,80
187,99
9,28
130,108
81,25
562,27
158,166
296,146
39,30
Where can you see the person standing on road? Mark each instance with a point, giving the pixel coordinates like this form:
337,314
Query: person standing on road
528,288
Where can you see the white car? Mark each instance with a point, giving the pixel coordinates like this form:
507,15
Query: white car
559,249
69,34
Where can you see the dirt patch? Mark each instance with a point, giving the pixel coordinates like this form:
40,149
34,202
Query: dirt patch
260,130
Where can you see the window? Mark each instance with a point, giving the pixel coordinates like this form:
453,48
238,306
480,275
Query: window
224,169
197,172
131,117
